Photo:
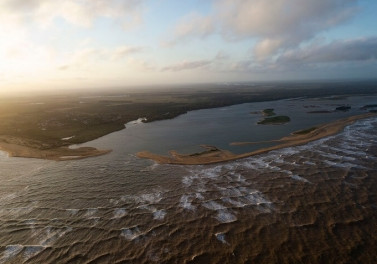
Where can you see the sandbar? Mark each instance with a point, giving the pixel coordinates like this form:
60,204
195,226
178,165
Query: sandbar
15,147
215,155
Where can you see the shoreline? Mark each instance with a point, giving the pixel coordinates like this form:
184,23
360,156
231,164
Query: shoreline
214,155
18,147
9,145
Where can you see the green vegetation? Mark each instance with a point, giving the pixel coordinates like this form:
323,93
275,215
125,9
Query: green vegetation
304,131
43,120
268,112
275,120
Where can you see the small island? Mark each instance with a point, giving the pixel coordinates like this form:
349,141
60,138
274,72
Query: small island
272,119
343,108
268,112
275,120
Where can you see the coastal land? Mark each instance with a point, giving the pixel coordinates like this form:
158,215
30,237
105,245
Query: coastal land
215,155
45,125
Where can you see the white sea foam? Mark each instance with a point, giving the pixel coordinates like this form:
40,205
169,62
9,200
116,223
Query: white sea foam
346,165
131,233
49,235
187,181
72,212
186,202
151,198
119,213
256,199
212,205
234,203
224,216
143,199
221,238
355,153
91,212
232,191
265,208
198,195
159,215
298,178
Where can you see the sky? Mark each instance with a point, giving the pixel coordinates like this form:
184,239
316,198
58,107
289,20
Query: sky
57,44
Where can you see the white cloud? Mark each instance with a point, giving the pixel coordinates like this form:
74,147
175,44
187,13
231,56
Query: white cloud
193,25
277,25
361,49
89,57
187,65
123,51
77,12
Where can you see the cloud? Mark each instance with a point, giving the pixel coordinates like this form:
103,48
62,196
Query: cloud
123,51
77,12
316,58
141,65
87,57
221,55
193,25
187,65
63,67
277,25
361,49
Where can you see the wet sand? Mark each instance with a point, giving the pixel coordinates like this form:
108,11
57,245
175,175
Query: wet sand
15,147
215,155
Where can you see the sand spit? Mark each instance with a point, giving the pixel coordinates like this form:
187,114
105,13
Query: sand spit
15,147
215,155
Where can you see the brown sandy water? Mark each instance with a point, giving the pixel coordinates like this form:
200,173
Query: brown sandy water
314,203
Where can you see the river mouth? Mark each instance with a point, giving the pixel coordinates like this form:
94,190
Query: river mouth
311,203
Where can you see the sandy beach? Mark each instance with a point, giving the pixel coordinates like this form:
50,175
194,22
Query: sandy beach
215,155
16,147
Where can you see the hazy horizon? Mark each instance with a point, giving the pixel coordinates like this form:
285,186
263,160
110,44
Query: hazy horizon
52,45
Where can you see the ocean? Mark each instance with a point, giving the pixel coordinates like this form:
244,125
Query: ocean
315,203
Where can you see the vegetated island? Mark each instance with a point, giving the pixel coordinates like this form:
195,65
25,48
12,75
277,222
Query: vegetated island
272,119
215,155
45,125
343,108
268,112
